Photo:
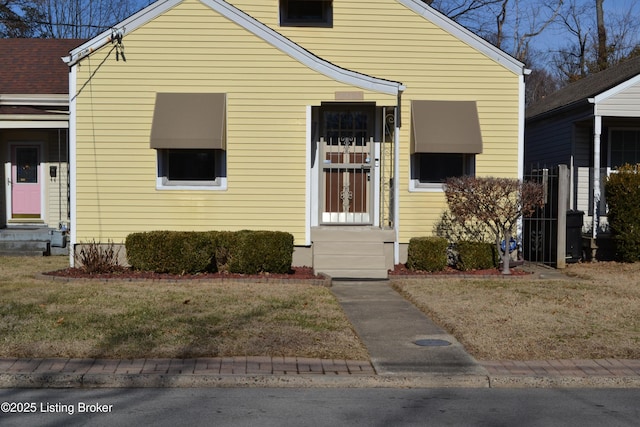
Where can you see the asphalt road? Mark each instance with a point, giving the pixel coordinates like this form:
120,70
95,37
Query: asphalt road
320,407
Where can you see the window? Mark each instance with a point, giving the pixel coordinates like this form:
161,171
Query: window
625,147
191,168
431,170
189,135
306,13
445,140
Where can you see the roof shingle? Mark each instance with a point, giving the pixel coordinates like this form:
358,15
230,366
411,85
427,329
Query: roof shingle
588,87
34,66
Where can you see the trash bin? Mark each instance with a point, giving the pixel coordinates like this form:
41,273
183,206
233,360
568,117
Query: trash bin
574,235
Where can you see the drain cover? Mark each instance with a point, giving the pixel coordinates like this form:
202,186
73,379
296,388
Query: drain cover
432,343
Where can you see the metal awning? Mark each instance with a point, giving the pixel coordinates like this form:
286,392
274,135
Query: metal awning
189,120
445,127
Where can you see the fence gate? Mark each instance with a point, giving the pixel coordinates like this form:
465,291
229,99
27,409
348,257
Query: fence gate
544,233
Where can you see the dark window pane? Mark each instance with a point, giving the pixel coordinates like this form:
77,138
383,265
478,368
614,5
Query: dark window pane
191,165
435,167
27,164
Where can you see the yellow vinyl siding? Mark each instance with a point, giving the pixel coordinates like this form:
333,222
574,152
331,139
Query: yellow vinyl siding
385,39
193,49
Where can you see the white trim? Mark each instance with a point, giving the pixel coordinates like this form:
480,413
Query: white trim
8,175
72,164
308,177
124,27
465,35
613,92
597,132
32,122
521,124
250,24
40,100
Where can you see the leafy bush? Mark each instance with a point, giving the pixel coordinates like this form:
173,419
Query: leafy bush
172,252
95,258
476,255
246,252
623,197
261,251
427,253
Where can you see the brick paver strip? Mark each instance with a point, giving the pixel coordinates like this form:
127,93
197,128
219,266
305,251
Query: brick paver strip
156,366
182,366
26,365
207,365
104,366
130,366
79,366
632,364
51,365
7,364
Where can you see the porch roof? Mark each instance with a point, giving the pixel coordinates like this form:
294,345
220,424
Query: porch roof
33,66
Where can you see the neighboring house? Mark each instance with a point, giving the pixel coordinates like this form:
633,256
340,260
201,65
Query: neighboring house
336,121
594,121
34,122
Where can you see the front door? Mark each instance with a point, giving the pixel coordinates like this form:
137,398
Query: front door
346,152
25,181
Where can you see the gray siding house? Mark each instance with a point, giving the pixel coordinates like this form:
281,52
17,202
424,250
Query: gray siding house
593,127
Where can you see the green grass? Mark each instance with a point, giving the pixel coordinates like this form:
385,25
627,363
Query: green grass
119,319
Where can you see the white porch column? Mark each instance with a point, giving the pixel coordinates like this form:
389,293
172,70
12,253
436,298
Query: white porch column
597,130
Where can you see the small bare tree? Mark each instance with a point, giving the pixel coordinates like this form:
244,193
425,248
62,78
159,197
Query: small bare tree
497,202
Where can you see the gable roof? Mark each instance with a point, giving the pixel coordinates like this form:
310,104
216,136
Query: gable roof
33,66
588,87
250,24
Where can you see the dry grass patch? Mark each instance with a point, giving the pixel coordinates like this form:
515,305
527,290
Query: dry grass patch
118,319
593,313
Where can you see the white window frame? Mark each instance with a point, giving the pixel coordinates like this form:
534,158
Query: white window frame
218,184
469,168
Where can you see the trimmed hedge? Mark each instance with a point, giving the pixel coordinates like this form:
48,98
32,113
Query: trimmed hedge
476,256
175,252
427,254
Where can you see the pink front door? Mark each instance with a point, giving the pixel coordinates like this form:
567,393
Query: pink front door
25,181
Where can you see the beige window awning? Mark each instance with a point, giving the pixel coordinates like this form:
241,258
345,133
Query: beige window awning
189,120
445,127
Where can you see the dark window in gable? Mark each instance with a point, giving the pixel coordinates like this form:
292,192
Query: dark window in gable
306,13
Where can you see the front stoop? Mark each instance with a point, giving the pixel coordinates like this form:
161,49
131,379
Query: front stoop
352,252
31,240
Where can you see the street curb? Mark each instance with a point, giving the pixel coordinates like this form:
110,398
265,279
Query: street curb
89,381
63,380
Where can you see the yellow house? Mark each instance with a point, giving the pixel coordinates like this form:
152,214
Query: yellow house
334,120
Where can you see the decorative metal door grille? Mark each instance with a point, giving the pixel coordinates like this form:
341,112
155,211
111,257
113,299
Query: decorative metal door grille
347,180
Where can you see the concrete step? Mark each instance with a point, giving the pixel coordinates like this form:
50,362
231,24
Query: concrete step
25,248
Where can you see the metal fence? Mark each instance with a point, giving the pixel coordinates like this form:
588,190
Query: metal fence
540,231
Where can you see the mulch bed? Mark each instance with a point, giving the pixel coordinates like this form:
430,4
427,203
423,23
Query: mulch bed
296,273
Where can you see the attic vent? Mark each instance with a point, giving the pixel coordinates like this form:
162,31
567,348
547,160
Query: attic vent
306,13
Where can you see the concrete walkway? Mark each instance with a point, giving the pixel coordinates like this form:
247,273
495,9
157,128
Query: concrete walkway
407,350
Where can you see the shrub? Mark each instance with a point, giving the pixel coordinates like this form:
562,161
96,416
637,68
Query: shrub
427,254
476,255
172,252
246,252
623,197
95,258
261,251
455,230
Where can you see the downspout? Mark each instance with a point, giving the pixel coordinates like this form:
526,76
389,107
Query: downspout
396,178
72,163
